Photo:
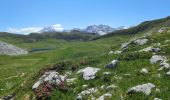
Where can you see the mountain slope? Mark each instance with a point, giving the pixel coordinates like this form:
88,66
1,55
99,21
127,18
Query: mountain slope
143,27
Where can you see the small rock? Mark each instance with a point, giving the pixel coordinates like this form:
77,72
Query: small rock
106,73
158,90
168,73
113,64
162,30
144,88
144,71
111,52
111,87
140,41
150,49
106,95
89,72
117,52
157,99
87,92
71,80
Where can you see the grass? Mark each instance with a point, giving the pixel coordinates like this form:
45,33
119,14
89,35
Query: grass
94,53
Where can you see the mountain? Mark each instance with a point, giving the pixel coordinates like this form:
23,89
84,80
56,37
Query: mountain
53,28
95,29
99,29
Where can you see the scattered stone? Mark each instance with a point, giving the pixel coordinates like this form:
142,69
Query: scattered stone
111,87
86,92
85,86
150,49
117,52
155,58
162,30
157,44
168,73
71,80
158,90
159,75
144,88
106,73
89,72
164,65
144,71
111,52
8,49
113,64
106,95
9,97
157,99
124,46
140,41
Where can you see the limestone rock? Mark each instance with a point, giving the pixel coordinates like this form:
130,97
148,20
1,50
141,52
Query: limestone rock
89,72
140,41
144,88
113,64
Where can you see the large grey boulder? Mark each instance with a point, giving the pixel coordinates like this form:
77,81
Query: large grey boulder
140,41
8,49
144,88
89,72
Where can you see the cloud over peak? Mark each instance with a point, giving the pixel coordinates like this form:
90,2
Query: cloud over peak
27,30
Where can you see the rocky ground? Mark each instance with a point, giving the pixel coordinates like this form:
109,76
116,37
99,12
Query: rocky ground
8,49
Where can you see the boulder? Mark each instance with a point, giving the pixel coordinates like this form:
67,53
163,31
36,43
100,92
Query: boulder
144,88
89,72
140,41
106,95
113,64
155,58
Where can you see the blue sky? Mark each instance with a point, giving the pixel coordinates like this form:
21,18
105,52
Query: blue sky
79,13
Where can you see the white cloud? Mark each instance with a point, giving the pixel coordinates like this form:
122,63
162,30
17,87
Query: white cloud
57,27
24,30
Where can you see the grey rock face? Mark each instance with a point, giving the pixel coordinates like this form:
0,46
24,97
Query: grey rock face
8,49
144,88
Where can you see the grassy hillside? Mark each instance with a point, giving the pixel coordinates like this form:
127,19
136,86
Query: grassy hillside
18,73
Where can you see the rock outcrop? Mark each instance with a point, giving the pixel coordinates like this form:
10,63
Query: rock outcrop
8,49
144,88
